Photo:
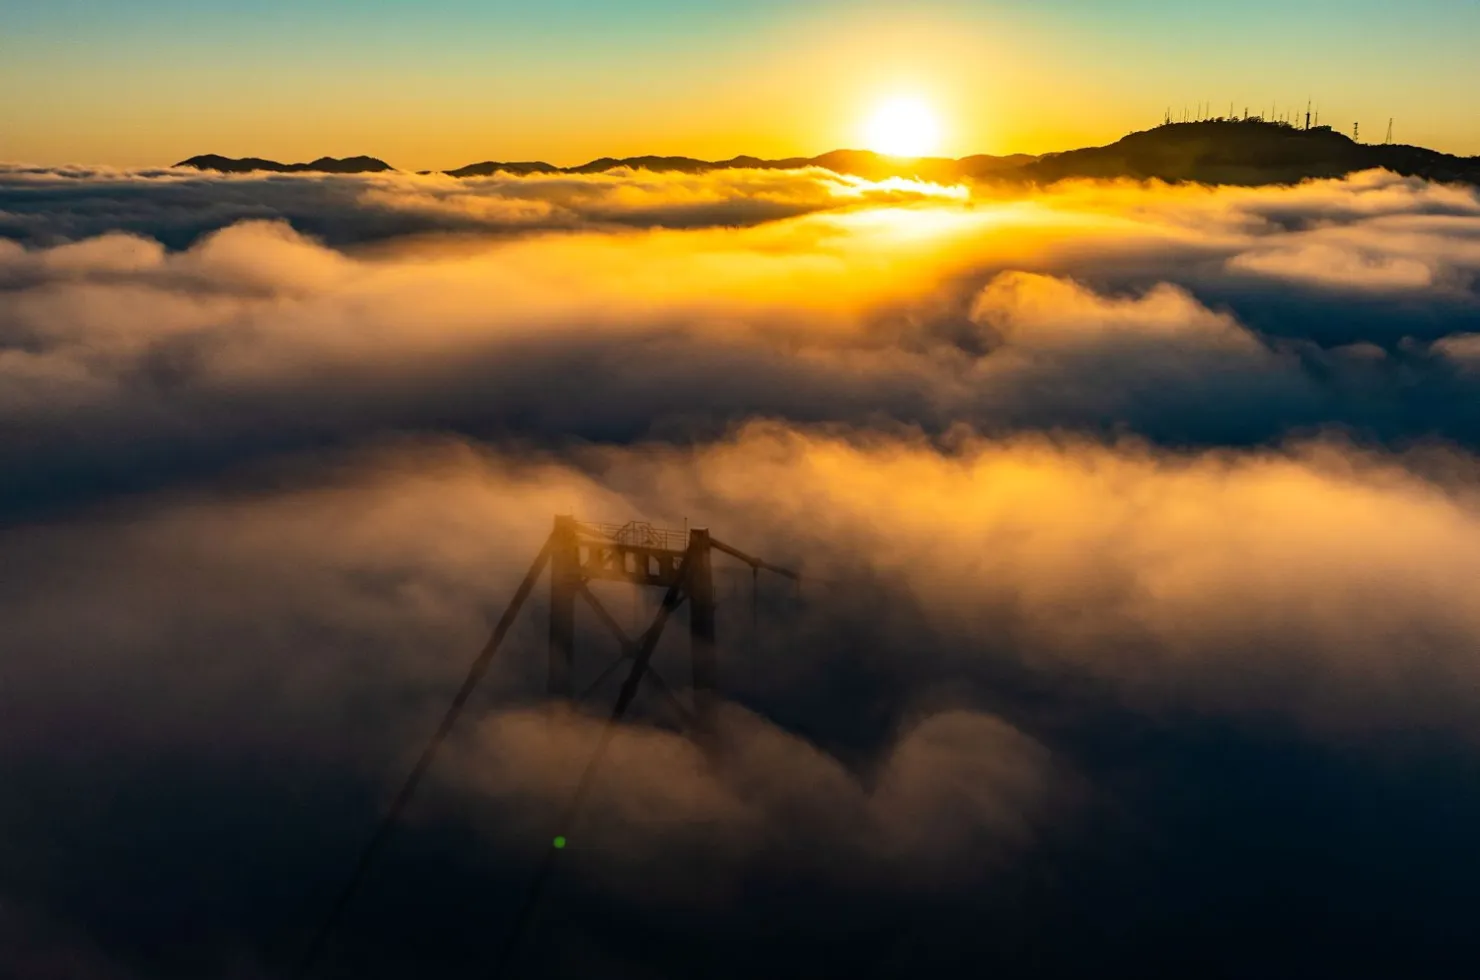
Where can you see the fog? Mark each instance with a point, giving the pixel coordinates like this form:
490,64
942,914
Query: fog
1136,524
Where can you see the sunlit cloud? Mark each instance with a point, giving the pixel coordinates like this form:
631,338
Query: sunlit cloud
1059,465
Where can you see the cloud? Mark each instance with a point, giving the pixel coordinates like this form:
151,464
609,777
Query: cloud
49,206
1004,314
1329,265
313,629
1231,577
955,795
639,197
1135,525
1396,253
974,619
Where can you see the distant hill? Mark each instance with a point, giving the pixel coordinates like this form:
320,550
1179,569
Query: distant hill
1245,152
325,165
489,168
1223,151
857,163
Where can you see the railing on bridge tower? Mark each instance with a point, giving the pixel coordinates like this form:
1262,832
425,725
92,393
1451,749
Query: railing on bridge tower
632,552
643,555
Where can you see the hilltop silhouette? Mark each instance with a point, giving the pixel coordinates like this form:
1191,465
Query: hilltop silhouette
1220,151
857,163
323,165
1235,151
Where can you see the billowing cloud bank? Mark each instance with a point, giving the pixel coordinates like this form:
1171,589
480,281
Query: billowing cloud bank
1138,526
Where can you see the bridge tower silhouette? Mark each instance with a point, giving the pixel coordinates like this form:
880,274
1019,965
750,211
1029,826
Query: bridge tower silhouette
578,553
680,562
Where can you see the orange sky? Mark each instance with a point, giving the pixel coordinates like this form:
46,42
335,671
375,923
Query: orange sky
452,82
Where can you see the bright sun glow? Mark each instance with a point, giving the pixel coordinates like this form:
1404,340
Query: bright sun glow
903,127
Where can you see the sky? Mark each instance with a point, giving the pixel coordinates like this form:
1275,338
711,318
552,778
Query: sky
442,83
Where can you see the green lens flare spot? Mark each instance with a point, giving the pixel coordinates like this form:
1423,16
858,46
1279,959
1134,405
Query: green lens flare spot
559,843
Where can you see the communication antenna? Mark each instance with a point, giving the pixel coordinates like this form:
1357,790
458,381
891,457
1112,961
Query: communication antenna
1307,113
1389,138
1356,131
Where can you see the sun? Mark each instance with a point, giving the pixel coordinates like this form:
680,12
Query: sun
903,127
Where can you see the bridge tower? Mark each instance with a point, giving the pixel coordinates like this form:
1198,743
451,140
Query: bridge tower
680,562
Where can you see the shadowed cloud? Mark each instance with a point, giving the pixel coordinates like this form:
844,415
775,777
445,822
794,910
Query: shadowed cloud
1136,526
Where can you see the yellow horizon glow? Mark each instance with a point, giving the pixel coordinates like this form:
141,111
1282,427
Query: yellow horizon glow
903,126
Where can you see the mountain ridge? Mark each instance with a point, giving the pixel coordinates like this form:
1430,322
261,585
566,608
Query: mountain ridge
1218,151
326,165
859,163
1237,151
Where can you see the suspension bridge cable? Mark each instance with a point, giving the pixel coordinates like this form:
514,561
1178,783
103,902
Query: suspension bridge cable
640,658
413,780
755,610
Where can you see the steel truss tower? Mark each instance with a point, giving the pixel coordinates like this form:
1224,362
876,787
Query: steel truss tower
640,554
578,553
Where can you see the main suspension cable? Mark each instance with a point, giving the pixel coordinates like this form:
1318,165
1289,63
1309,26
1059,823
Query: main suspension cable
413,780
640,659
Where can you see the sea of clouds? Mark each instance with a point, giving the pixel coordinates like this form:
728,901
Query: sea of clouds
1139,527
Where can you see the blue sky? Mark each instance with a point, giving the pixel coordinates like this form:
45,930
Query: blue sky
440,82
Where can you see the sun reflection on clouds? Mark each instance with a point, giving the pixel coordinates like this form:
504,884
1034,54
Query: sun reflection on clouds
905,224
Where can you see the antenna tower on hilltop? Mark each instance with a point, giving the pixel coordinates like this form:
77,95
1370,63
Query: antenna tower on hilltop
1388,139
